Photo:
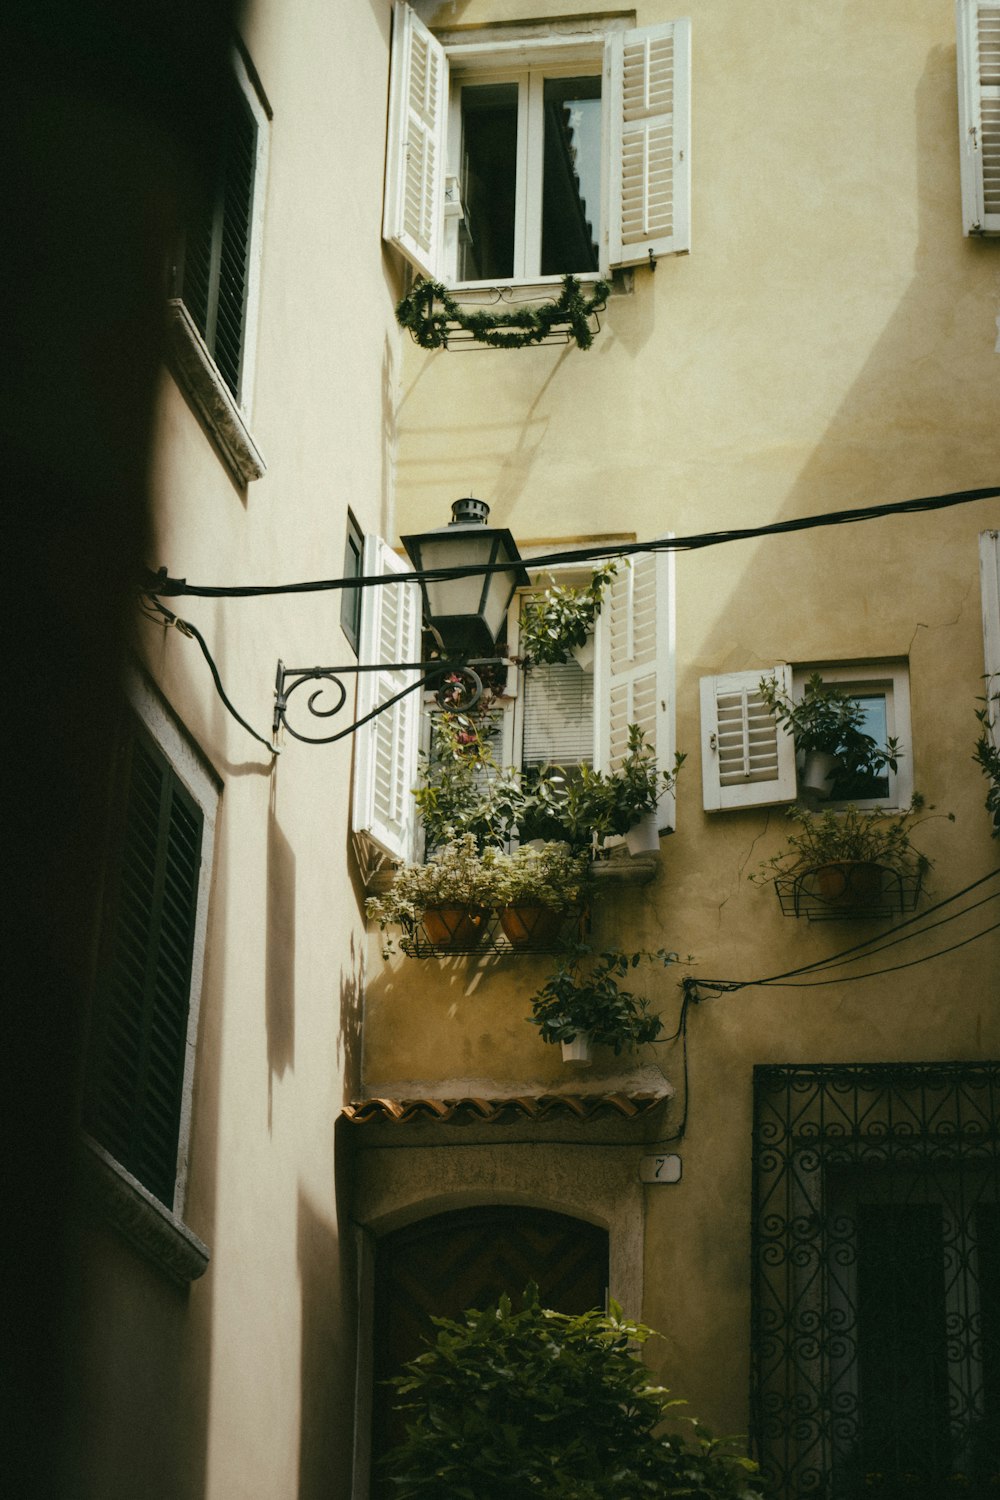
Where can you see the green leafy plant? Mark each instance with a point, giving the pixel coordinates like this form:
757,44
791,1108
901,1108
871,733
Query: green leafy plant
463,789
829,721
987,752
611,802
561,618
456,875
550,874
432,316
852,836
584,995
508,1404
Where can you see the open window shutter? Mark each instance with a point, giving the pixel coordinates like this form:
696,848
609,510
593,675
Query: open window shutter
989,572
385,755
648,75
633,665
415,151
979,113
135,1068
747,759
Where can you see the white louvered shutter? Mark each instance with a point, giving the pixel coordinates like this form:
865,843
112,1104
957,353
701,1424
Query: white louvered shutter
747,759
385,755
648,84
634,665
413,218
979,113
989,572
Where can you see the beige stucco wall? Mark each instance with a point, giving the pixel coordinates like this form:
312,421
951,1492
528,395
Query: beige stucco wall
828,343
243,1385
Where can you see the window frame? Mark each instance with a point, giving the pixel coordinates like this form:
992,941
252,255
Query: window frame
154,1225
892,679
227,413
351,599
645,136
529,76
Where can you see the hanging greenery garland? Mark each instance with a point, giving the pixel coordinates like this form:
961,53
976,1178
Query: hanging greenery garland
432,316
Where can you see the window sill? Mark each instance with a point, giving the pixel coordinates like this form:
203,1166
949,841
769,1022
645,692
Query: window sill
197,375
141,1219
545,289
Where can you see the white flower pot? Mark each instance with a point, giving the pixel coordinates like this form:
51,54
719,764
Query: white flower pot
584,655
643,837
817,772
577,1051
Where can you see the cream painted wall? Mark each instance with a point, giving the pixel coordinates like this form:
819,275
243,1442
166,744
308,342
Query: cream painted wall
828,343
249,1392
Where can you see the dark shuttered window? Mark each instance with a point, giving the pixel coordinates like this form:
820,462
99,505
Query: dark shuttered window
214,268
139,1030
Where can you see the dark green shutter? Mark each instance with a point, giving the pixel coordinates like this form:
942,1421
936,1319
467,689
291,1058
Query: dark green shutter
215,270
138,1042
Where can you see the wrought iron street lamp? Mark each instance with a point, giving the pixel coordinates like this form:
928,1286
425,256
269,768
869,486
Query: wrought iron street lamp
466,612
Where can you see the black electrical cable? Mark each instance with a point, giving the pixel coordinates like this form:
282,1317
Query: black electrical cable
727,986
186,628
874,973
161,583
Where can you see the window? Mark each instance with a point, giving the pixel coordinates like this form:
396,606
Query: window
876,1247
525,159
350,599
216,275
979,114
989,573
560,714
150,955
748,760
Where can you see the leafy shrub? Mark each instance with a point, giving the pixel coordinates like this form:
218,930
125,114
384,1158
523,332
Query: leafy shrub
507,1405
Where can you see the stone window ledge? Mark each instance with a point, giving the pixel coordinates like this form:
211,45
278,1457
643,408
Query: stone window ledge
197,374
141,1219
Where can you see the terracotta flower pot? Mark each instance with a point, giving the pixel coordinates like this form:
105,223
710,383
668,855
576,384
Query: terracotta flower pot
529,925
453,926
849,883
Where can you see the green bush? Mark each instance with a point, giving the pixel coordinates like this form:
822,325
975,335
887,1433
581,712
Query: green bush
508,1405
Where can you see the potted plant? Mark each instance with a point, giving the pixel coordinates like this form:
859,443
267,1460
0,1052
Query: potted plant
987,753
847,855
535,888
624,801
538,1402
450,895
583,1001
462,787
826,726
559,622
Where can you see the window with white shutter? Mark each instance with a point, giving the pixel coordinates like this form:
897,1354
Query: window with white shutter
989,572
385,755
979,113
522,160
747,760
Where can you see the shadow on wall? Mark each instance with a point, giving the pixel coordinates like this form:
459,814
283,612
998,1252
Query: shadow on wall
279,958
351,1023
327,1404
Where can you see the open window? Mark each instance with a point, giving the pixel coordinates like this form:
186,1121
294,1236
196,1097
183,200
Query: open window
551,715
523,160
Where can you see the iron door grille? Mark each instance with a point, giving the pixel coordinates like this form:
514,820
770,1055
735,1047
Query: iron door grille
876,1280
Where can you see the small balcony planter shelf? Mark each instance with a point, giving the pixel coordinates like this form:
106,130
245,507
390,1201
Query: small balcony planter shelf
435,319
848,891
421,939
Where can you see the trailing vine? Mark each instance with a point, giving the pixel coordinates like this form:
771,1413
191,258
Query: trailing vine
431,315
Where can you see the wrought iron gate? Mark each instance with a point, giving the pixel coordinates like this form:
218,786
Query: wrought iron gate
876,1280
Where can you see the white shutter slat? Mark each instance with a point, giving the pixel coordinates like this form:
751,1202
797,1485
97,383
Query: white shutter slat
385,755
634,665
978,52
413,217
747,759
648,85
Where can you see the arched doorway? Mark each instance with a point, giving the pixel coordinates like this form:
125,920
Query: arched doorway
441,1265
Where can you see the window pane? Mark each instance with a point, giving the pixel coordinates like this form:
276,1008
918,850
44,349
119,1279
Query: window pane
875,723
571,201
489,181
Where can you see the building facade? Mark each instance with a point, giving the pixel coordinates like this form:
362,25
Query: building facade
794,209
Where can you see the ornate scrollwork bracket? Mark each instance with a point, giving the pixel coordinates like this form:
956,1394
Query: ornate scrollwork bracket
458,687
